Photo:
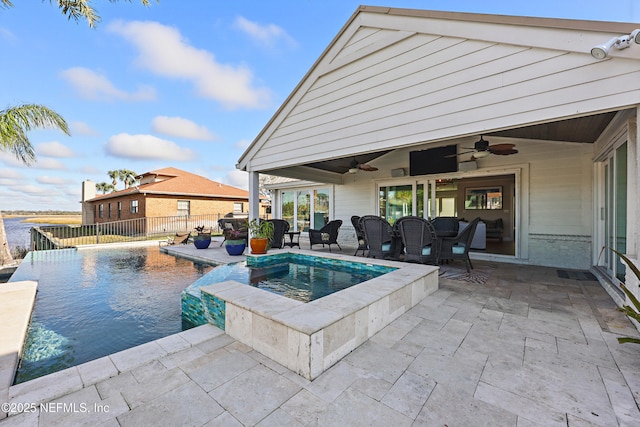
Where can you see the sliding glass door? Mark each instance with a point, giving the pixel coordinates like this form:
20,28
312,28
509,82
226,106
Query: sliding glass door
615,210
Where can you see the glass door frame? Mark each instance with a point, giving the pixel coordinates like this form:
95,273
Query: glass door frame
608,216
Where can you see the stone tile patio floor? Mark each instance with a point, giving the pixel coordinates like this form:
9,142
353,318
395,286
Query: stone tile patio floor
525,349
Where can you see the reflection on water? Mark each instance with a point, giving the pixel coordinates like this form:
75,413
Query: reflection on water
91,303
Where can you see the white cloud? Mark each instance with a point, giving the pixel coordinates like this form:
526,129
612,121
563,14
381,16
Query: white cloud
146,147
81,128
54,149
238,178
181,128
10,174
40,163
242,144
29,189
47,163
51,180
94,86
267,35
164,51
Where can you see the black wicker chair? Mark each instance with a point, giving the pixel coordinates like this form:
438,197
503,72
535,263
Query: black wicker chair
457,247
419,240
327,235
445,226
362,242
379,236
280,227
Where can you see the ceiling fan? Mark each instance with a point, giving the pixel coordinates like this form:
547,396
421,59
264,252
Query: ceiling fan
481,149
355,165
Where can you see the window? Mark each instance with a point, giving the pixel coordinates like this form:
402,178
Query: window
238,207
184,207
109,210
101,211
134,206
305,209
395,201
119,209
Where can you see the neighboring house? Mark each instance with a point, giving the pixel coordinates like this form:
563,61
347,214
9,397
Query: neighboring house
396,82
164,192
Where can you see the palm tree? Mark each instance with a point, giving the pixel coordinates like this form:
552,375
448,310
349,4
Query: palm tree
128,177
105,187
114,175
76,9
15,122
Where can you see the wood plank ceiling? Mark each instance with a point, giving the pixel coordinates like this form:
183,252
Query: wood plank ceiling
580,130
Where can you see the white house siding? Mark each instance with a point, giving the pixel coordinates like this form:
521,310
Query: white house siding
413,87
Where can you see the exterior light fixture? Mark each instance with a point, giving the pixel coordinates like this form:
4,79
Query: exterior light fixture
622,42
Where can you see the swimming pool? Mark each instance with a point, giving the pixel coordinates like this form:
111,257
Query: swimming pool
309,337
300,277
95,302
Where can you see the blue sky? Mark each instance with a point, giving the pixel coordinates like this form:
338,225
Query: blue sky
187,84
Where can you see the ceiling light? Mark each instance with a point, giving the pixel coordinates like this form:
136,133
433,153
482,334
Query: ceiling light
353,170
622,42
481,154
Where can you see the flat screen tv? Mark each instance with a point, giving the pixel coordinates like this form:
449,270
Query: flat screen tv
433,161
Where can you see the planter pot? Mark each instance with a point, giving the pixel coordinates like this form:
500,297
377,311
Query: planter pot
201,242
258,245
235,247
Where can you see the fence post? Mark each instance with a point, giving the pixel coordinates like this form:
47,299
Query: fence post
97,233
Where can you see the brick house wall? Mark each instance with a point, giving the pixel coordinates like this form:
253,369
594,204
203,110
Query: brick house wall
168,206
158,206
125,212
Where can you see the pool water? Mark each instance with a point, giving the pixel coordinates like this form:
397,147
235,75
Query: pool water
91,303
301,277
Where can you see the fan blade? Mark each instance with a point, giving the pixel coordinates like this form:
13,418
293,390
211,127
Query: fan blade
460,154
366,167
504,152
501,147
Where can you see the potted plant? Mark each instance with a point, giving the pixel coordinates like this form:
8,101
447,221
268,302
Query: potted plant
260,233
202,239
234,244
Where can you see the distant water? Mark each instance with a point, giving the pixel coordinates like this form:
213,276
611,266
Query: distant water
18,232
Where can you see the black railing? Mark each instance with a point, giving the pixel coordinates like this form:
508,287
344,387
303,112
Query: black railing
131,230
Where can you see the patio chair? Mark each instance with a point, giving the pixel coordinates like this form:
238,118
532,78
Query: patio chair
380,238
445,226
280,227
233,229
362,242
457,247
179,239
419,240
327,235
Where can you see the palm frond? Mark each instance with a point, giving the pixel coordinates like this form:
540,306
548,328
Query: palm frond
16,121
628,310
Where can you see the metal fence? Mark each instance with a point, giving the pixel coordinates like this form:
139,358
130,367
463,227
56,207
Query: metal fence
68,236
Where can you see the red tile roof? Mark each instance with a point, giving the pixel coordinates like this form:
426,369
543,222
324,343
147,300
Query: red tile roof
177,182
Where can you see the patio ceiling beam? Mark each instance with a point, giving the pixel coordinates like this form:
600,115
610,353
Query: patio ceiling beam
307,174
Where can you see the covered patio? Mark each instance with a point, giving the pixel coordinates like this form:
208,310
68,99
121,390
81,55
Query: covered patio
527,115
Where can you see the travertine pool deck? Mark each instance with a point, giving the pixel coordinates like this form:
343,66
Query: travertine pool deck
526,348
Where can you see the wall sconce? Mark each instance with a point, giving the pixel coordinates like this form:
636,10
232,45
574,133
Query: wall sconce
622,42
